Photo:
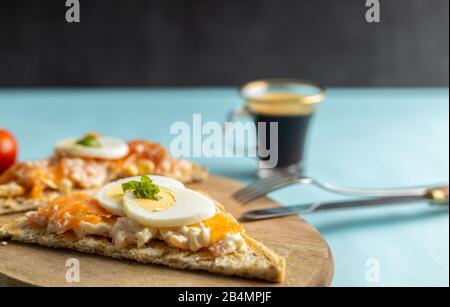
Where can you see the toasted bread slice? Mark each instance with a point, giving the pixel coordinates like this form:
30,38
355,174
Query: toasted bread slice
17,204
255,261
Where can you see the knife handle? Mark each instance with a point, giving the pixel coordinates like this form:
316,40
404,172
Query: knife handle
439,195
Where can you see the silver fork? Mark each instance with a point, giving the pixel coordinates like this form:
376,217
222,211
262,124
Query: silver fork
264,186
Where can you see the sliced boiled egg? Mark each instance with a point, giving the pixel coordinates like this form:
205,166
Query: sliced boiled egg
111,195
107,148
175,207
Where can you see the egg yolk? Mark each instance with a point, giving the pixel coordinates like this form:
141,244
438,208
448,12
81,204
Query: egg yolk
222,224
166,199
70,211
115,193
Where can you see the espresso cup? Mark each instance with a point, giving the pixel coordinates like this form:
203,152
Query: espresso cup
286,106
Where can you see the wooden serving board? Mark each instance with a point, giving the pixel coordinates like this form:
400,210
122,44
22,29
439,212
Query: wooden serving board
308,257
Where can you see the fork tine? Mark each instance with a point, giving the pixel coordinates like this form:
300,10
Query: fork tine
259,183
257,194
262,187
261,191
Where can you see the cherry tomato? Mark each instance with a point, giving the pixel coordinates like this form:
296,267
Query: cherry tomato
8,150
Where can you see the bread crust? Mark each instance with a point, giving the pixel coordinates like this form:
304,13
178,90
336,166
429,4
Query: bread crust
10,205
255,261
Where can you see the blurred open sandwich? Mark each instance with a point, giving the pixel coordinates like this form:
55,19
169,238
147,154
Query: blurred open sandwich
85,164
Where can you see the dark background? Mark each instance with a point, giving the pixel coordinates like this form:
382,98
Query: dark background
228,42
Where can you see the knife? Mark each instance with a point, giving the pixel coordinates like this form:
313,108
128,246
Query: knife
436,196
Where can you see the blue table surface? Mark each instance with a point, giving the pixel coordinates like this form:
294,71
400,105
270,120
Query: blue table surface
360,137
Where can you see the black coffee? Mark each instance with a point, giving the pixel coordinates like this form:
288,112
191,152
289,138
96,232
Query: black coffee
291,104
292,134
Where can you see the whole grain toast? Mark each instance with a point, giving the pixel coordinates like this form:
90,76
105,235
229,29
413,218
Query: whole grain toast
17,204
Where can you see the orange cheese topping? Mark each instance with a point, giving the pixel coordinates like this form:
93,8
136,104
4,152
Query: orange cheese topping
69,211
222,224
30,175
148,150
141,149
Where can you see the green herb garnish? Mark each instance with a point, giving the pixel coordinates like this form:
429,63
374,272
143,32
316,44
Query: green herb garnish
142,189
89,141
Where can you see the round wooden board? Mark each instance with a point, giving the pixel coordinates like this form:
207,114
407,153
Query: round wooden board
308,257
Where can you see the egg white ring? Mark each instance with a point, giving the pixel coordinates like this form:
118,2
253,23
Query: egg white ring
116,208
189,208
110,149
